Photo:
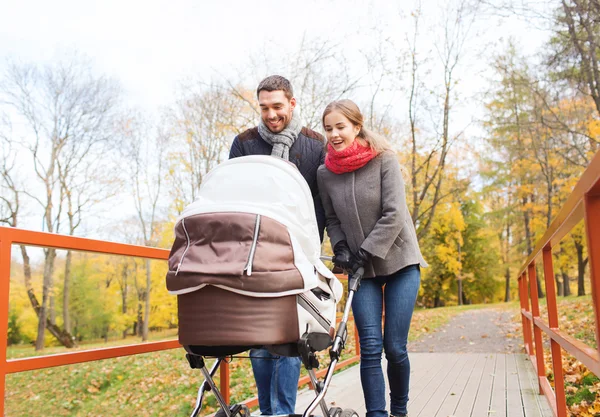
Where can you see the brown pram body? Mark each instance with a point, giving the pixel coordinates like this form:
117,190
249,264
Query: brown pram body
246,269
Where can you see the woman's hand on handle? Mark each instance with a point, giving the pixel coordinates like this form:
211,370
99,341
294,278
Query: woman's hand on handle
343,257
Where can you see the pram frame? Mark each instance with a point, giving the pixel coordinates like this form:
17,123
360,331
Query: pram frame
308,360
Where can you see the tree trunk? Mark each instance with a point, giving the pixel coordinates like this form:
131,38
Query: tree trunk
66,293
140,321
436,301
124,294
566,284
507,285
43,316
527,225
460,292
65,338
581,264
147,302
559,286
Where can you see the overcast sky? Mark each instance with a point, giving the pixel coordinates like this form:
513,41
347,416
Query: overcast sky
150,45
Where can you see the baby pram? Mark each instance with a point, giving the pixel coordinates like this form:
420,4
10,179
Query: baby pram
246,269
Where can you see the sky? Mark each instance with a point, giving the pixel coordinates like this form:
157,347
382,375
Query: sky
150,46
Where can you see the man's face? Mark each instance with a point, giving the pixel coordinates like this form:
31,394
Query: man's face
275,109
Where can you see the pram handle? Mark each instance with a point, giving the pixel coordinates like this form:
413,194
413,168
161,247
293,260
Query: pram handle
326,258
339,341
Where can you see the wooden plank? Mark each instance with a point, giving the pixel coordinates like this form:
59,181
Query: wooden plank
485,385
421,391
514,404
535,405
423,366
484,393
498,400
467,399
345,391
427,405
457,389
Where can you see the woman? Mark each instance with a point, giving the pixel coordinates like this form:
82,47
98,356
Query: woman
369,225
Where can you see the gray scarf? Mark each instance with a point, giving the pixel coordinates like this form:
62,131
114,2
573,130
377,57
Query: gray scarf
282,141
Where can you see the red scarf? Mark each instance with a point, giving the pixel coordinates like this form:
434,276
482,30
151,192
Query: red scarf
349,159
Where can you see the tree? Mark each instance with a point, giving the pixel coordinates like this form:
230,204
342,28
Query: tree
202,122
64,109
427,164
480,258
144,153
576,46
442,247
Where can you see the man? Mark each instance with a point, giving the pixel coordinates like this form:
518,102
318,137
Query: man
280,133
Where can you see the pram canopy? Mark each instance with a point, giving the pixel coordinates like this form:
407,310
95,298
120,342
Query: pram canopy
245,263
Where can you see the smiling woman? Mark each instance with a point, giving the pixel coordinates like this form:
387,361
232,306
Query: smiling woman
370,227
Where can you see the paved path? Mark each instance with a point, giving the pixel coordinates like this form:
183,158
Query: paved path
487,330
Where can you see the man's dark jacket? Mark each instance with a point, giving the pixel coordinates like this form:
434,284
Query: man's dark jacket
307,153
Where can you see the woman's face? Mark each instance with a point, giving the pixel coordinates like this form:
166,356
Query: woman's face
340,131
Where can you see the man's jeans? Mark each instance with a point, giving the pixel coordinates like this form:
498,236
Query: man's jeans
399,294
276,380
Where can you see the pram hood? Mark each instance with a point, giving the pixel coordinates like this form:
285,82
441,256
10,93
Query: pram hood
274,188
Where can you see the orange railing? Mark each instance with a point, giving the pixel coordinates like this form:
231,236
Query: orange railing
12,236
582,204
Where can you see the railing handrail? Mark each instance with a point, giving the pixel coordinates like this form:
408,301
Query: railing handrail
13,236
582,203
81,244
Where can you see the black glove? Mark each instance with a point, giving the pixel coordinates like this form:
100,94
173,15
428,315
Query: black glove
361,259
342,257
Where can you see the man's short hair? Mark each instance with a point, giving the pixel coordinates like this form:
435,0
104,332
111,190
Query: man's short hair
275,83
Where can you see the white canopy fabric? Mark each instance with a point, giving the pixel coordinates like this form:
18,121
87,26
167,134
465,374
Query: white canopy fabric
274,188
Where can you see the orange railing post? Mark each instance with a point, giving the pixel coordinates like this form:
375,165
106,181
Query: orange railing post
225,380
592,229
528,321
537,333
560,402
5,247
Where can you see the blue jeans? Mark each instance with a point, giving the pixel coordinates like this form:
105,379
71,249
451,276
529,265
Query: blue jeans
398,292
276,380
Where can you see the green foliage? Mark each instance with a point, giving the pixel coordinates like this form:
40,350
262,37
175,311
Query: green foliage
91,310
583,394
480,257
14,329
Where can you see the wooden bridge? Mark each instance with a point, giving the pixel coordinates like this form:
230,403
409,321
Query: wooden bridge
442,384
453,384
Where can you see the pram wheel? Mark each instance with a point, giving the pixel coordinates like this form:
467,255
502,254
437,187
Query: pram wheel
348,412
240,410
335,412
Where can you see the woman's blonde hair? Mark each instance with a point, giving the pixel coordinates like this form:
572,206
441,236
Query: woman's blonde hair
350,110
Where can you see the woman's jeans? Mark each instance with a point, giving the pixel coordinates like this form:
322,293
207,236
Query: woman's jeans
399,290
276,380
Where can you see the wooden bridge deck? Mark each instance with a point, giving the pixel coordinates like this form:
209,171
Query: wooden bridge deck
453,385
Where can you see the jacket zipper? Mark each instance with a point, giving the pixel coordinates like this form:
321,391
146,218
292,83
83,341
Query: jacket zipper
248,267
315,311
186,248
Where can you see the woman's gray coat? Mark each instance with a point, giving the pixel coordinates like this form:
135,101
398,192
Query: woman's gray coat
367,208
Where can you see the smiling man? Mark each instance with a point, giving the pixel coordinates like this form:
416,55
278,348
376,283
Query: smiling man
280,134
